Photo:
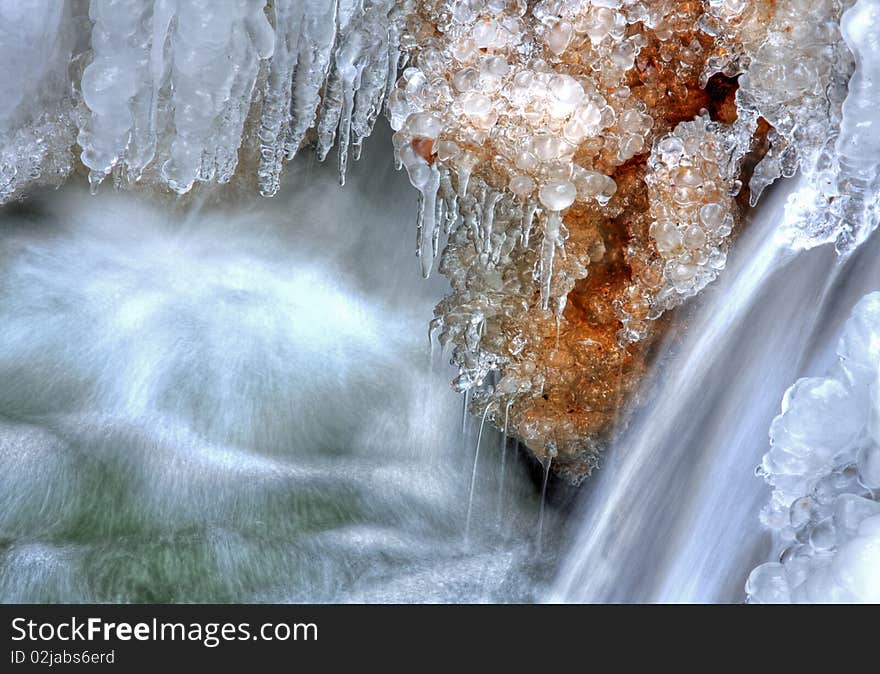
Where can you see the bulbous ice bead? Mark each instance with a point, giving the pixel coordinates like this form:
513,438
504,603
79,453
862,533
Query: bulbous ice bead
557,196
521,185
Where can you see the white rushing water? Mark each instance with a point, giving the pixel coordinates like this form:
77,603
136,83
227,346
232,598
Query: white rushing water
673,514
236,404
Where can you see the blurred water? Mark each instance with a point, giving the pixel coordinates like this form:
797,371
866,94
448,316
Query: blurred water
236,404
672,516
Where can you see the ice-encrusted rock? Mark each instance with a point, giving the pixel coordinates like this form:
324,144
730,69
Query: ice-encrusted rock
835,142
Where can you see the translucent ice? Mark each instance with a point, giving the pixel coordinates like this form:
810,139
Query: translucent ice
172,93
36,129
824,466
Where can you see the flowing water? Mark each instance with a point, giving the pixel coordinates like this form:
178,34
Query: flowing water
672,516
237,403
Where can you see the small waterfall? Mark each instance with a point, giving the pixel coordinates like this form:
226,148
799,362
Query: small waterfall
672,515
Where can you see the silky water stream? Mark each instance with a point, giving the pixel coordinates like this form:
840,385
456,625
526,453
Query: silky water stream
237,403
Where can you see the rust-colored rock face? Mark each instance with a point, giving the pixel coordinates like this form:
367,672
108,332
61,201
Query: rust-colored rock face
591,373
587,161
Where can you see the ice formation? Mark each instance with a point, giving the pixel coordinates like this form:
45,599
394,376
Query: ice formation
586,160
578,162
824,463
824,466
170,93
36,115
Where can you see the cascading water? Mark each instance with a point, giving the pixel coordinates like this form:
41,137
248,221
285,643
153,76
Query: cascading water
207,405
673,515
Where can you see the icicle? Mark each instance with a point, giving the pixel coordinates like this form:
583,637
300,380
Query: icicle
434,325
394,56
489,203
207,94
558,325
464,177
470,219
546,462
429,225
145,104
337,104
420,224
275,120
527,220
331,109
548,249
253,40
160,66
351,84
467,524
357,81
438,220
561,303
378,76
450,199
116,84
313,61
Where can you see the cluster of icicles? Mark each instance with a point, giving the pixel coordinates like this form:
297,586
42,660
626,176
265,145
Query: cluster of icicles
173,93
486,126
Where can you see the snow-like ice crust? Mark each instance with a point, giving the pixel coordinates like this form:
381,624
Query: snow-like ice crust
824,463
824,466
